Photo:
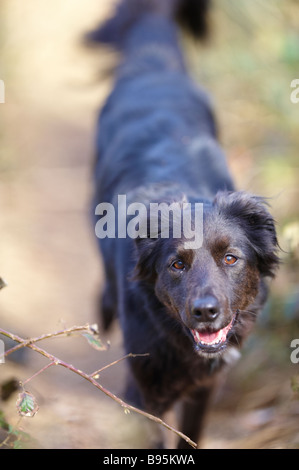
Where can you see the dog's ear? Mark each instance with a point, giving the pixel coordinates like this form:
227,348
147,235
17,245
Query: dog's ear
251,214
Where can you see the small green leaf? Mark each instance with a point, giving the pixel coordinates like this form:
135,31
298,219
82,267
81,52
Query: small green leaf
3,423
26,404
22,440
94,341
17,445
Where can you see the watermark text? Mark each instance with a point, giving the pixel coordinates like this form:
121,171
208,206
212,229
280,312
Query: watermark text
158,220
295,353
294,97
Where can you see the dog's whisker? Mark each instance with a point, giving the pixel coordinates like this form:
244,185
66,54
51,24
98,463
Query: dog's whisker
249,311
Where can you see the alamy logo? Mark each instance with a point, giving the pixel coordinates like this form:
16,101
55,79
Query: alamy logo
295,353
2,92
295,93
159,220
2,351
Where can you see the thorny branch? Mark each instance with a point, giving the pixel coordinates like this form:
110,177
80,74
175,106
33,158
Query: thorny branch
55,361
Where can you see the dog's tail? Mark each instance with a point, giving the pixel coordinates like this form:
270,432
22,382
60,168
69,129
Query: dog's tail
191,14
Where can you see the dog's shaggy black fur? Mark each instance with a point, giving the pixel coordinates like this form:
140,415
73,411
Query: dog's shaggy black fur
190,309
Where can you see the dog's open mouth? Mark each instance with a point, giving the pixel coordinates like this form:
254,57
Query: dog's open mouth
212,341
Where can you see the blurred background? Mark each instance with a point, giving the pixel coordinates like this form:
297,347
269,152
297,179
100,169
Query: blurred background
54,89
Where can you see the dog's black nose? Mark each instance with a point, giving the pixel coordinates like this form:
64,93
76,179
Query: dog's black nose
206,309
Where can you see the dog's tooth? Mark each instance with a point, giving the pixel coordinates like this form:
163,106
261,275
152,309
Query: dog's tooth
195,335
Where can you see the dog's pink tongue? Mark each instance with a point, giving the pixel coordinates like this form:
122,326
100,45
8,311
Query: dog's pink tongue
212,338
209,337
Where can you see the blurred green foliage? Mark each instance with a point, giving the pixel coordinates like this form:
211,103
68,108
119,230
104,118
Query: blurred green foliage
248,65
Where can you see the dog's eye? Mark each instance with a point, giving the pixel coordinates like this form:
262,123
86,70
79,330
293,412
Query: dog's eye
230,259
178,265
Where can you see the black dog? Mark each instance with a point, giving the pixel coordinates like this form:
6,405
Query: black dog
189,308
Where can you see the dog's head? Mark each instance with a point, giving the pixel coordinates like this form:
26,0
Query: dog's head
216,290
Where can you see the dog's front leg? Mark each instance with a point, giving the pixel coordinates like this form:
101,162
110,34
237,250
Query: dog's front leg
193,414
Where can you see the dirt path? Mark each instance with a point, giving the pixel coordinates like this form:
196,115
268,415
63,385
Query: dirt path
48,253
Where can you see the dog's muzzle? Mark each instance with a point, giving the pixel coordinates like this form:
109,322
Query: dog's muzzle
205,312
